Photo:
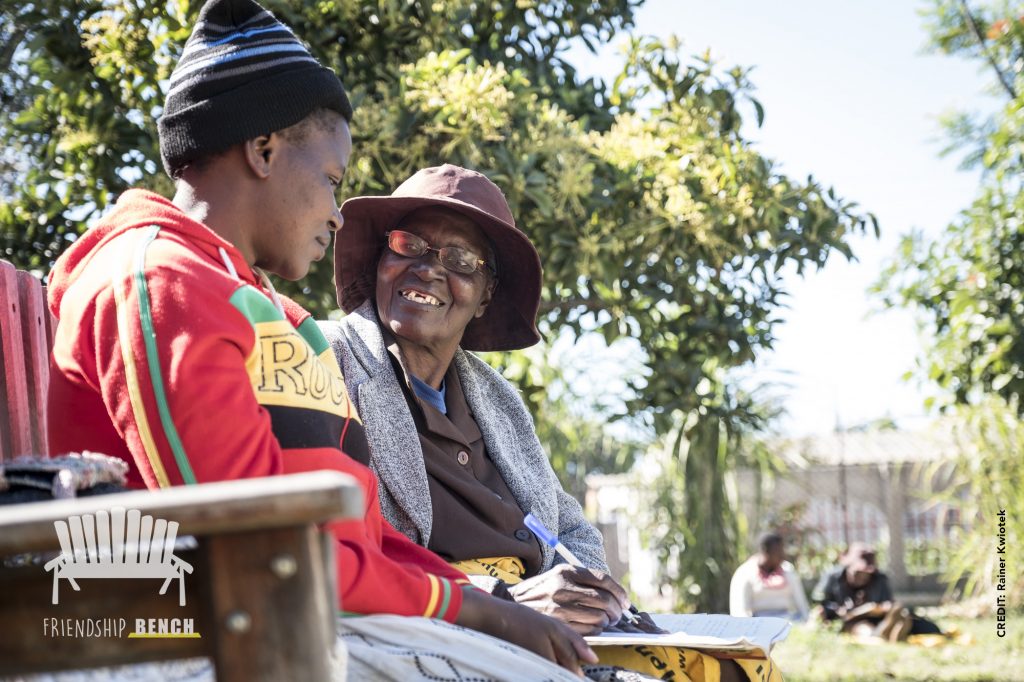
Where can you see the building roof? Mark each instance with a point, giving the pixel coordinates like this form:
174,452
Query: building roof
872,446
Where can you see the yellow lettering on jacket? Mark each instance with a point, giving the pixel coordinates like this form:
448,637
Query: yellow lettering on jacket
284,371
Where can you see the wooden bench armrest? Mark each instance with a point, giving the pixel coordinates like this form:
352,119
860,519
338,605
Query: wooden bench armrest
210,508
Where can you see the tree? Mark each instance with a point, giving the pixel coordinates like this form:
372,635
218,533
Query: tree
83,83
656,220
569,422
693,519
967,287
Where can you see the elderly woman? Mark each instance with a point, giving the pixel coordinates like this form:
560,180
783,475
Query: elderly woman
437,269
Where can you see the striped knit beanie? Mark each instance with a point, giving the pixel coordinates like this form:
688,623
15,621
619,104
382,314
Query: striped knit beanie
242,74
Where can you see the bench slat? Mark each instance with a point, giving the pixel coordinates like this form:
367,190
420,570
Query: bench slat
112,571
49,321
15,423
36,344
274,502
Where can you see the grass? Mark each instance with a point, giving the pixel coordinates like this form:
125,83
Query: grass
824,656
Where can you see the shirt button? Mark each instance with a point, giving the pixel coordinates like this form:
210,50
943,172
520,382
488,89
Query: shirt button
463,457
522,534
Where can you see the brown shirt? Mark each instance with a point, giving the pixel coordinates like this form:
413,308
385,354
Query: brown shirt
474,513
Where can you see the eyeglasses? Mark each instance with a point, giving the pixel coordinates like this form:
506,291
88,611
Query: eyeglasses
454,258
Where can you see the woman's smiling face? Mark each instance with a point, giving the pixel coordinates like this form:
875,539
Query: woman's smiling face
418,299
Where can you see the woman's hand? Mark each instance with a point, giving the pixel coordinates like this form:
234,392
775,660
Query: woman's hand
586,600
644,623
522,626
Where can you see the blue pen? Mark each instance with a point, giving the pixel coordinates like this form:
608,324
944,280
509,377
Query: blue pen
551,540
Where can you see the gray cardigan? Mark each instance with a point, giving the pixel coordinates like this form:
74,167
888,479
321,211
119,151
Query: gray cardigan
506,425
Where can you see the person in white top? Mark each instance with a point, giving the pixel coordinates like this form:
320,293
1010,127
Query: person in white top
768,585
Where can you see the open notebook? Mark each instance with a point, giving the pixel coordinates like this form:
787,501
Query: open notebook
707,632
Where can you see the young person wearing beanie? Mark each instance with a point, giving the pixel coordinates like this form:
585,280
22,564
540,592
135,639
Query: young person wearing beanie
174,353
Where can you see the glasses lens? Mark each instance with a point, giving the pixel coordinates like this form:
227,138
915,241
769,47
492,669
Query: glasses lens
406,244
458,259
454,258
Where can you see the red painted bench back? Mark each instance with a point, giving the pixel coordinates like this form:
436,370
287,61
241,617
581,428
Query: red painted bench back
26,338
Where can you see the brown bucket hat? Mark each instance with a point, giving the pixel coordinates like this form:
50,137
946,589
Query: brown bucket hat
509,322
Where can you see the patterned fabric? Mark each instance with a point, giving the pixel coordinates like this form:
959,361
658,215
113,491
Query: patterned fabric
383,648
508,569
622,663
504,421
676,663
387,648
379,648
238,59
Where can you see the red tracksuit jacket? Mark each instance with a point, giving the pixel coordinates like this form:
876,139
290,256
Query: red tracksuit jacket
171,355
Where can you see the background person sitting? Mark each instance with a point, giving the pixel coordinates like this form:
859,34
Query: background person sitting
858,594
768,585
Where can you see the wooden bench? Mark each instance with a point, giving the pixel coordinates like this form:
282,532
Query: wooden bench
26,338
262,595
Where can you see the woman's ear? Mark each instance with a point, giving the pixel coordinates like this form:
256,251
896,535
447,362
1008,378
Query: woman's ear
260,153
485,300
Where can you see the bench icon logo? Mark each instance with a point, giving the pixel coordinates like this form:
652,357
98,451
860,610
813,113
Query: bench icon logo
117,544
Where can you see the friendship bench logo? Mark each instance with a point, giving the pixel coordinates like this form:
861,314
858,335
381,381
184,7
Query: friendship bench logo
122,544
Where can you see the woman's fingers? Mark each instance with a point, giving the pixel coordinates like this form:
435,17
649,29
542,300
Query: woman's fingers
571,650
647,623
599,580
571,595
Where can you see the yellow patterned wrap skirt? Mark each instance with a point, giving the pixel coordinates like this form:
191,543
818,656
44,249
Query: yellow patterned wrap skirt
661,662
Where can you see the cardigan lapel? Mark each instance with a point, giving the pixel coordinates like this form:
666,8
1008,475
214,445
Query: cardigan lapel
396,455
510,441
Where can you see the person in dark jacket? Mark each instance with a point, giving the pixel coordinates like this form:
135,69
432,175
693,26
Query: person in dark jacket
857,593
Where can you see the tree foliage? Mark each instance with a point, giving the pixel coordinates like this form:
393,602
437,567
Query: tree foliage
569,421
967,287
655,218
987,488
84,80
968,284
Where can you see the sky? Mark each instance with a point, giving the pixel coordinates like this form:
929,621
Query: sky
852,97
